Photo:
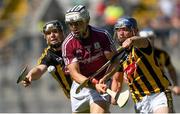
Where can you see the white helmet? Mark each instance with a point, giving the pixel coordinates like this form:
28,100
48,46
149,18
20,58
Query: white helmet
77,13
148,32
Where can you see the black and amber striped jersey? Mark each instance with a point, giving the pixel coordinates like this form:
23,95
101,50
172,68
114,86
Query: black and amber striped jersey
163,58
54,58
147,77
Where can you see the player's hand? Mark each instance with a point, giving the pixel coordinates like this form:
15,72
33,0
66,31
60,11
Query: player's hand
101,81
113,101
176,90
127,43
27,81
101,88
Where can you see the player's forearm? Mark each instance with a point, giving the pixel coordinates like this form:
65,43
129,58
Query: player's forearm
79,78
75,73
116,82
109,54
140,42
116,85
173,77
36,73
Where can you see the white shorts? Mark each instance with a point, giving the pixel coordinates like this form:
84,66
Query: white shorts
81,102
151,103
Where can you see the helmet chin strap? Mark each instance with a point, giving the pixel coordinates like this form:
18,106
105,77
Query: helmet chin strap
84,34
57,45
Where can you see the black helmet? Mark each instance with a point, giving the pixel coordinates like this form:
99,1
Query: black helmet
55,24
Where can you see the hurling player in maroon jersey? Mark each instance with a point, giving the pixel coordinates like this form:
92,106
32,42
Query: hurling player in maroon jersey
85,50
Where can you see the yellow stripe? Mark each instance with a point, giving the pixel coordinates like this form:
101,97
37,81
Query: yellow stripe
157,71
143,86
65,91
147,73
43,55
169,101
161,60
55,77
60,71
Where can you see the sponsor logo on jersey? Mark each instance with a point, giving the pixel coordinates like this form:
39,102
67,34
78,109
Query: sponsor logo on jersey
97,45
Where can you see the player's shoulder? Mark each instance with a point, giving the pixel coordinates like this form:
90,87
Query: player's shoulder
68,39
101,31
160,50
44,55
45,51
98,29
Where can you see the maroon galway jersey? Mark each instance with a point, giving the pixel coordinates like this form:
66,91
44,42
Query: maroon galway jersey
89,52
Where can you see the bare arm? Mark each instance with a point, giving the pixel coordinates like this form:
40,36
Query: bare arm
116,85
173,75
136,41
34,74
79,78
108,54
117,80
172,72
75,72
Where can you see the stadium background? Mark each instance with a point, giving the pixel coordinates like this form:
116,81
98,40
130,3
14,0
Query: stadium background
21,43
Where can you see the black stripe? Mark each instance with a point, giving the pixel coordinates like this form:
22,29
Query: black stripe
169,101
136,96
138,87
59,78
79,8
73,8
69,80
149,67
156,59
145,80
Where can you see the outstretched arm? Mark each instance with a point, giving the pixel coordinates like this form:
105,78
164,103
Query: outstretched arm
34,74
116,84
172,72
136,41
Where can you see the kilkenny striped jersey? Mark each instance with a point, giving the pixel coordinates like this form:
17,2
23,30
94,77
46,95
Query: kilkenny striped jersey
163,58
54,58
147,77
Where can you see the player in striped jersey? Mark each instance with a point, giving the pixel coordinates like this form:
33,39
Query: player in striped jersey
52,56
85,50
164,60
147,83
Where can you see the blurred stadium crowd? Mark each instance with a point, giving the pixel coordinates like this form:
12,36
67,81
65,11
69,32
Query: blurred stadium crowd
21,43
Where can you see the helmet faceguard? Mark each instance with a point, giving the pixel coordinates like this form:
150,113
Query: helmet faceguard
55,24
77,13
128,22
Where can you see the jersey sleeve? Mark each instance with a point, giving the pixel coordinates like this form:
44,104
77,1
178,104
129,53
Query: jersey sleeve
68,53
109,44
168,63
148,50
44,59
